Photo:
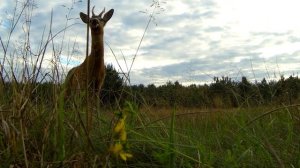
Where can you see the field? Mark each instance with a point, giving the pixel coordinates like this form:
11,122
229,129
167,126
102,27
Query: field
39,134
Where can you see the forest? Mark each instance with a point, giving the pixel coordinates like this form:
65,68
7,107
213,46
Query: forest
223,92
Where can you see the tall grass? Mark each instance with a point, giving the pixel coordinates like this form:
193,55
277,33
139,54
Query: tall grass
39,129
224,138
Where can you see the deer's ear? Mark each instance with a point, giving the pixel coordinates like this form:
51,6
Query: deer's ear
84,17
108,15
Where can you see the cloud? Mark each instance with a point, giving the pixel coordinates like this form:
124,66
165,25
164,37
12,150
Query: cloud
189,41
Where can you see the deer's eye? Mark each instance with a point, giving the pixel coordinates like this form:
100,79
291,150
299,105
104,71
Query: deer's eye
94,21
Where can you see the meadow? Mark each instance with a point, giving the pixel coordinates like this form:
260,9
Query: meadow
39,134
224,124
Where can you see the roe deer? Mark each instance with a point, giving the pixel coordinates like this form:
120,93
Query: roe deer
80,77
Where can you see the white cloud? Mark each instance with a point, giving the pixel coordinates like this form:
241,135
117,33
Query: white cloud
177,7
257,15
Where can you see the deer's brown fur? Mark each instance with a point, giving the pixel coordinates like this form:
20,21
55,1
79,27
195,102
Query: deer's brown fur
92,76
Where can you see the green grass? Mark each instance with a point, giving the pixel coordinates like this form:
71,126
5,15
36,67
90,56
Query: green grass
224,139
34,135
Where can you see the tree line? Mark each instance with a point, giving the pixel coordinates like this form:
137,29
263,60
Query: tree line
223,92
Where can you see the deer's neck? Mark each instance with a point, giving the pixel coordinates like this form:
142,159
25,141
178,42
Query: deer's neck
97,50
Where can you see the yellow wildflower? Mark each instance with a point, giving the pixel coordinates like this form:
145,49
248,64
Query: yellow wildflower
120,137
120,125
125,155
123,135
116,148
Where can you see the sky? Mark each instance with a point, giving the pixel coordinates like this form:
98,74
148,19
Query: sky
190,41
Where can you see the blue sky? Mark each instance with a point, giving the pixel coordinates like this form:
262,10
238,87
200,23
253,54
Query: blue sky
190,40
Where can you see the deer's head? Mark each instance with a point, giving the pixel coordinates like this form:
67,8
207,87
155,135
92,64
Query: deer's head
97,22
